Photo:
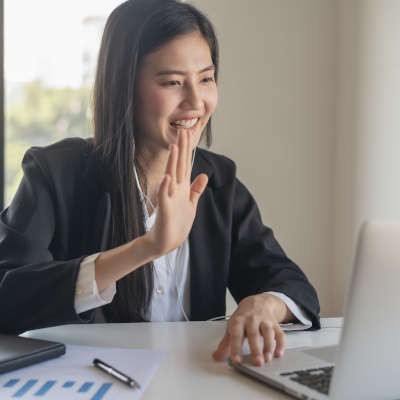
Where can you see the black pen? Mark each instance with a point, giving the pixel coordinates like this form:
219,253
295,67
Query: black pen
115,373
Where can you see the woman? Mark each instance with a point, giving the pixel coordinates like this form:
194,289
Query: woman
136,224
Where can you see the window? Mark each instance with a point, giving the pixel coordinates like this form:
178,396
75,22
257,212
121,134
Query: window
50,53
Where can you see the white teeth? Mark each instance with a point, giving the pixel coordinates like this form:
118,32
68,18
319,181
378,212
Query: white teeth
186,123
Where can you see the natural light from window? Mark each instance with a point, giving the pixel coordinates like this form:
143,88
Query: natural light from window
50,54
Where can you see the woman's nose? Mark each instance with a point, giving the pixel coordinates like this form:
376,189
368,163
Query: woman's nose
192,99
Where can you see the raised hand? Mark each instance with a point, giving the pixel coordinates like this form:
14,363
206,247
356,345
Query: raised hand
177,198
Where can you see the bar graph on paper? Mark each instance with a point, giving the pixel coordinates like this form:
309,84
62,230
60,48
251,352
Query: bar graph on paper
73,376
47,389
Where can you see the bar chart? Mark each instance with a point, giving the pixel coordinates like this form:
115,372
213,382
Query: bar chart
36,388
74,377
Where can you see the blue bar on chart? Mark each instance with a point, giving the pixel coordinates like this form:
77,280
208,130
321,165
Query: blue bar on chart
102,391
11,383
45,388
85,387
25,388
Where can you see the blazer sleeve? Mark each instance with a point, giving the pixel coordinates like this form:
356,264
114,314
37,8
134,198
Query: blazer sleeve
259,264
36,290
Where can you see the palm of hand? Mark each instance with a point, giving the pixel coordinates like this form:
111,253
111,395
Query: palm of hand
177,198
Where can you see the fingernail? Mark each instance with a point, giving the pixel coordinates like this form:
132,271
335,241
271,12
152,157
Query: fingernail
260,360
268,356
237,358
278,353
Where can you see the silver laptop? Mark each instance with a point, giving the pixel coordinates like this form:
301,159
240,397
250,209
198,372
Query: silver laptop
366,364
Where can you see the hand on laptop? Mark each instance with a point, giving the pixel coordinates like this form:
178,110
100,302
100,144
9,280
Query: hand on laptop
257,318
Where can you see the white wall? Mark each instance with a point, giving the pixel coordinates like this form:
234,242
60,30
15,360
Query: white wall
368,140
310,93
277,118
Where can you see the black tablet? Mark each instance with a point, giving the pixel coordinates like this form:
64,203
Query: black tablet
17,352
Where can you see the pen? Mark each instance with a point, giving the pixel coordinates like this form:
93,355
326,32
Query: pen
115,373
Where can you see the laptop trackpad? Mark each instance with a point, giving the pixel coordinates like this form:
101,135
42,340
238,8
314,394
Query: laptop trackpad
328,354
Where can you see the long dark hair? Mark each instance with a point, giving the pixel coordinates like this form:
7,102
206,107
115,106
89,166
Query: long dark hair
133,30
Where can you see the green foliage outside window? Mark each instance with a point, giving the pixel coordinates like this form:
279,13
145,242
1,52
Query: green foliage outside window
37,115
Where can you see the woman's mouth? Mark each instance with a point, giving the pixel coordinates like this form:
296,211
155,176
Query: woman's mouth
184,123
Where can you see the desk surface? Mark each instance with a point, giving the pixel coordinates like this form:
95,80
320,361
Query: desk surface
189,371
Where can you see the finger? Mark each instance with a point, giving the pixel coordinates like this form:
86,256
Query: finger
268,334
236,336
197,188
163,190
253,337
222,351
189,157
181,166
280,339
171,167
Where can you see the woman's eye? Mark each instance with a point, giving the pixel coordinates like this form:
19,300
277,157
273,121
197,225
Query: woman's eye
208,79
171,83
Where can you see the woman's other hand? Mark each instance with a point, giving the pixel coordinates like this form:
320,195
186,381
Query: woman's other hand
257,318
177,198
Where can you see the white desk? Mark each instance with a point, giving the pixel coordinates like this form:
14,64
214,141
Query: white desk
189,373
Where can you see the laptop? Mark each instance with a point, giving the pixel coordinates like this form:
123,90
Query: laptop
18,352
366,364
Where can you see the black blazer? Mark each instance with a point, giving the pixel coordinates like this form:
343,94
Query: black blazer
61,213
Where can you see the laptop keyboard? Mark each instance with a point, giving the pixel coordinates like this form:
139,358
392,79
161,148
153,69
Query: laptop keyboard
318,379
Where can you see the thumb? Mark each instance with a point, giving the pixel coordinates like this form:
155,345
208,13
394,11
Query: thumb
197,187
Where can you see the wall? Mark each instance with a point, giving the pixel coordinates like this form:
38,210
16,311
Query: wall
368,139
277,118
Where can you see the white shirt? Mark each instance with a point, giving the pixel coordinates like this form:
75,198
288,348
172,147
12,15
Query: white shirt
171,286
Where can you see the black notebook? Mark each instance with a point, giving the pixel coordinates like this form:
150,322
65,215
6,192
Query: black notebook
17,352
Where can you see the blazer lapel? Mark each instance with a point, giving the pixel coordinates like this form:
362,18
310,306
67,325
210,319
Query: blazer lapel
206,282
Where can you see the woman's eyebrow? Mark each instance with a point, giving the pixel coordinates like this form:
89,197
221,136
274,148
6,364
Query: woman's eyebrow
177,72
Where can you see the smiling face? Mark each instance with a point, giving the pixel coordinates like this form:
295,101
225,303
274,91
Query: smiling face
175,90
